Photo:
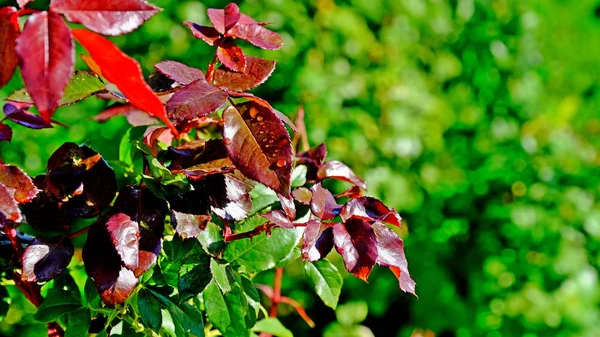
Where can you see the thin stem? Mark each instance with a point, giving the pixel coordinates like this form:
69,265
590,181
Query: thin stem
14,239
27,11
276,292
79,232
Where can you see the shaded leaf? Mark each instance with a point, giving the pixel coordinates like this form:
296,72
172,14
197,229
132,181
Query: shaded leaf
355,240
23,3
325,280
257,35
82,85
224,19
22,187
272,326
78,323
208,34
124,72
62,298
391,254
5,133
194,278
229,196
179,72
256,72
232,57
112,17
44,213
237,305
189,319
323,204
9,30
25,118
259,145
338,170
46,56
196,99
149,310
44,260
318,241
312,159
370,209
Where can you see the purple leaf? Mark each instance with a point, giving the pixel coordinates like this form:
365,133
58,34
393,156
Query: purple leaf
196,99
107,17
9,30
370,209
208,34
224,19
259,145
279,218
5,133
44,260
323,204
338,170
391,254
179,72
355,240
25,118
318,240
287,203
232,57
134,116
256,72
266,104
45,51
257,35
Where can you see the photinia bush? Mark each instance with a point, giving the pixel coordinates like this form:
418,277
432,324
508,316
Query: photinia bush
217,194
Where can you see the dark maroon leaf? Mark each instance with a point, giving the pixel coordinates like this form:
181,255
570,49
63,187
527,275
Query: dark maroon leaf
179,72
229,196
190,213
196,99
338,170
43,212
103,264
107,17
9,30
312,159
257,71
318,240
232,57
279,218
201,171
264,103
208,34
257,35
303,195
9,209
148,212
80,179
125,235
18,182
287,203
134,116
391,254
370,209
323,203
44,260
5,133
45,51
224,19
259,145
25,118
355,240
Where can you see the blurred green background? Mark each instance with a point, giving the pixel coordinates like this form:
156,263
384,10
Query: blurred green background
477,119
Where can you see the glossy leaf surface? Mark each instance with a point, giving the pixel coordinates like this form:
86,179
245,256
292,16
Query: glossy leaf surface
224,19
9,30
355,240
391,254
208,34
325,280
179,72
258,36
338,170
232,57
318,241
256,71
370,209
43,261
196,99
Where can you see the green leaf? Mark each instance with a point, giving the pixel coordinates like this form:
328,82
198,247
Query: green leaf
325,280
352,313
189,323
194,276
149,310
262,252
62,298
91,294
262,196
237,305
127,149
128,331
216,308
250,289
299,175
212,239
82,85
219,273
5,297
272,326
78,323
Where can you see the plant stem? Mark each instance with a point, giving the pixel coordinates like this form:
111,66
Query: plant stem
276,292
79,232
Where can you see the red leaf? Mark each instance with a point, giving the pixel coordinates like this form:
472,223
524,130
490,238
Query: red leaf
208,34
352,192
338,170
9,209
312,159
5,133
43,261
124,72
103,264
125,235
370,209
279,218
9,30
322,203
259,145
134,116
355,240
391,254
179,72
196,99
264,103
224,19
257,35
18,182
107,17
232,57
257,71
318,240
287,203
45,51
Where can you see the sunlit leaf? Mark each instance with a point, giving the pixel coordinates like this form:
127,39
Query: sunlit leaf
232,57
370,209
326,281
196,99
318,240
44,260
391,254
257,35
9,30
179,72
20,184
355,240
256,72
224,19
338,170
208,34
